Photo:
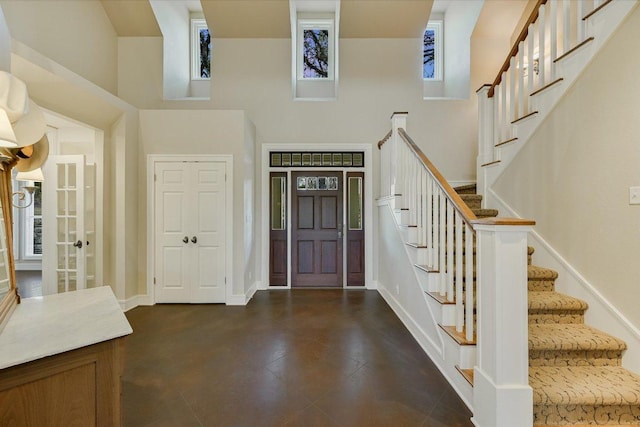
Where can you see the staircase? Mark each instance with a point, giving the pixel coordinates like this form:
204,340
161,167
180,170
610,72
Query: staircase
575,370
562,37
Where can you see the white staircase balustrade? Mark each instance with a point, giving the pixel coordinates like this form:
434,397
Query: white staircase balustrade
555,45
458,260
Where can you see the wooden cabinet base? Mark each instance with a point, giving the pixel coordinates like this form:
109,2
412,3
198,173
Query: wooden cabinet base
76,388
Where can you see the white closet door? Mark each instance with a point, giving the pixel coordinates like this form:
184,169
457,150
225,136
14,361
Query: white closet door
208,228
172,240
190,232
64,239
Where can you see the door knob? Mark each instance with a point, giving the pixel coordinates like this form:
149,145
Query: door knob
194,239
186,239
78,244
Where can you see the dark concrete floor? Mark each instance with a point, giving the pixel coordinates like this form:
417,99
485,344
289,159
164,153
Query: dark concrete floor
294,358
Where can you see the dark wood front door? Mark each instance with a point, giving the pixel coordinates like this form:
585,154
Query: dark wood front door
317,217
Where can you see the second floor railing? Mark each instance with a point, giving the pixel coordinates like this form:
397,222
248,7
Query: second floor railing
554,30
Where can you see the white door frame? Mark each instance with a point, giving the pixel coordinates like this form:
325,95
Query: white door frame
152,159
368,205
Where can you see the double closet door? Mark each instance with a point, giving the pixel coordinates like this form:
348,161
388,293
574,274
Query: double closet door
190,206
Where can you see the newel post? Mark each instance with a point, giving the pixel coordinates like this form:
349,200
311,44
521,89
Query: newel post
485,135
501,394
398,121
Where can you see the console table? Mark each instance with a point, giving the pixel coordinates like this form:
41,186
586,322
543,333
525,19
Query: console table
61,359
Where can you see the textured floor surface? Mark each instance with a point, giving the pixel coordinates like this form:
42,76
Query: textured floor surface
29,283
294,358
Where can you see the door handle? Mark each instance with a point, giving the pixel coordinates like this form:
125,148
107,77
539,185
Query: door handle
185,239
78,244
194,239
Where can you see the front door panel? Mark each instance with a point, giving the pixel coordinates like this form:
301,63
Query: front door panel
316,235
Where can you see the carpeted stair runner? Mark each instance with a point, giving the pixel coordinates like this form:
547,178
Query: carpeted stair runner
575,370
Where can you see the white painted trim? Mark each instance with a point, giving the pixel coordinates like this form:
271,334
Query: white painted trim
368,206
243,299
152,159
564,267
135,301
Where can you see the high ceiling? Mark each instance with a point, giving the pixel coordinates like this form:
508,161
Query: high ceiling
132,18
270,18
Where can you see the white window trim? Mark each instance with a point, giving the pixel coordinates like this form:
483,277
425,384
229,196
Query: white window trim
27,237
315,24
437,27
197,24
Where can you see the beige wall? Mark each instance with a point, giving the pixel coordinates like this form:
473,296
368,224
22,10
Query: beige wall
377,77
75,34
574,174
201,132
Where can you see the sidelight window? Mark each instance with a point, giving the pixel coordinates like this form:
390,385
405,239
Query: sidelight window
355,203
278,202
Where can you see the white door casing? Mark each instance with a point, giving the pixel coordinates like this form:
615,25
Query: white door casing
369,226
190,231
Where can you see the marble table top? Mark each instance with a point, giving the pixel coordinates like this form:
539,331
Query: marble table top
49,325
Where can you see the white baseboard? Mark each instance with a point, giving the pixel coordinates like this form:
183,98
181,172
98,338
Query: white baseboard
135,301
602,314
243,299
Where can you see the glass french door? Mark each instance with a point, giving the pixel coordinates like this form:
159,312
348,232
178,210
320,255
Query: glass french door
68,259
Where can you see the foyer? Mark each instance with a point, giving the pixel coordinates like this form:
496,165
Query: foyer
290,358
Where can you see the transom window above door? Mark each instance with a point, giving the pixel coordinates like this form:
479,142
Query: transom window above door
354,159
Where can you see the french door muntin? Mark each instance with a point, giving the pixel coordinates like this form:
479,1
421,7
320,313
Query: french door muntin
352,219
69,209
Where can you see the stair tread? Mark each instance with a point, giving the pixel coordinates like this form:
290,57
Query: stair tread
555,336
584,385
550,300
536,272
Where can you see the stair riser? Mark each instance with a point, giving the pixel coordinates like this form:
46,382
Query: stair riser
564,317
541,285
575,358
560,415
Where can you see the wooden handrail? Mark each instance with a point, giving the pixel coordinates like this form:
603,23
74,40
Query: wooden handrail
465,212
385,139
514,49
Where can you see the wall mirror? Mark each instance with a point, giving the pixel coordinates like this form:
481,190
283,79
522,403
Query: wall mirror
8,291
